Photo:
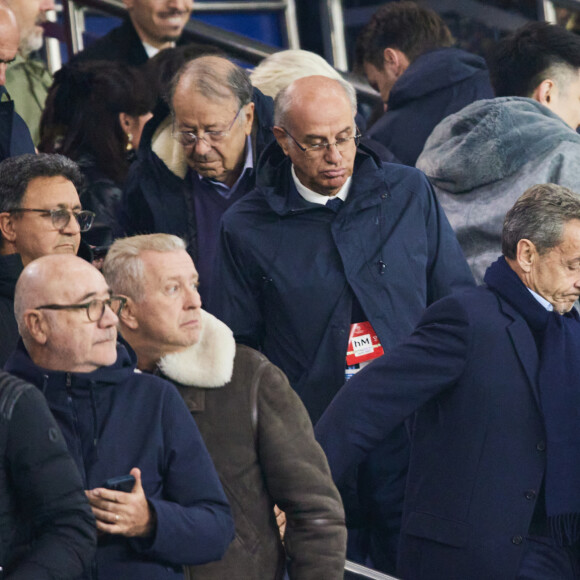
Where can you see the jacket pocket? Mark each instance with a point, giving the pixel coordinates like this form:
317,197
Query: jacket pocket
246,532
430,527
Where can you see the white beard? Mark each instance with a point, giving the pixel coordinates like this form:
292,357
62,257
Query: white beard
32,42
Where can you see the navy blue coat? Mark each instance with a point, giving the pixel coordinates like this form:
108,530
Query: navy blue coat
436,84
114,419
478,451
288,270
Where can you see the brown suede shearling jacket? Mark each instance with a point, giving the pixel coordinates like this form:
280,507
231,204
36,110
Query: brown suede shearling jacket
261,441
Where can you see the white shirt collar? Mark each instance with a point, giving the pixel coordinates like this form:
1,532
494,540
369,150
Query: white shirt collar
152,50
542,300
318,198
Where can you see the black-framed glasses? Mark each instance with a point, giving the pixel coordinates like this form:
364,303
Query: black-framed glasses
61,217
95,308
340,144
188,138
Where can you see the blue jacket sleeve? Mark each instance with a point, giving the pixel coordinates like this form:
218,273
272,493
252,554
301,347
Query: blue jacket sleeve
236,296
381,396
194,522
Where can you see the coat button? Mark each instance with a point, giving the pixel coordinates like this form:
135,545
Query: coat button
517,540
530,494
541,446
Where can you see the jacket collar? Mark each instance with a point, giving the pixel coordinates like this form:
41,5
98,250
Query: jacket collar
524,345
22,365
158,135
275,181
209,363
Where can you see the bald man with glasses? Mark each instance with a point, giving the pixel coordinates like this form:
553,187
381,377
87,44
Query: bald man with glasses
40,214
116,423
330,260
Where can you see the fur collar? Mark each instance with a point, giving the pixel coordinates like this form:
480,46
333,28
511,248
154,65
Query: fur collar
209,362
168,149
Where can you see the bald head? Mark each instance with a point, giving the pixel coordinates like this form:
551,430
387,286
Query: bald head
9,39
64,339
312,92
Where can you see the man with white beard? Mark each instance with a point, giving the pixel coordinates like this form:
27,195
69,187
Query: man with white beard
27,78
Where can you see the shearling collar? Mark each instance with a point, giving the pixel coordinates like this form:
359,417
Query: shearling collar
209,362
168,149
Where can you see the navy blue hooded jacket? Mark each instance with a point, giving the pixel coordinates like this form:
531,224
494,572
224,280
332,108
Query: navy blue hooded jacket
288,270
114,419
436,84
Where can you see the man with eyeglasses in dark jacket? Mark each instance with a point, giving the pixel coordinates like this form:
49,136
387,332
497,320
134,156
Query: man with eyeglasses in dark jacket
40,214
117,423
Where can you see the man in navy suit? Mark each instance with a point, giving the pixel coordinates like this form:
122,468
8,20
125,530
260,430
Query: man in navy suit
492,377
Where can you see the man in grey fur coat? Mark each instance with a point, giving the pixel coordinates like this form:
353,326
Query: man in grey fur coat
481,158
254,425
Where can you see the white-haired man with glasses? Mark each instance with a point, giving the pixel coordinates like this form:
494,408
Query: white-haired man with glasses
117,423
193,165
40,214
334,256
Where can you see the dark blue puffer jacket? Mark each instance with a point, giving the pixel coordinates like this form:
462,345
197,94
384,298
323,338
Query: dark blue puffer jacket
114,419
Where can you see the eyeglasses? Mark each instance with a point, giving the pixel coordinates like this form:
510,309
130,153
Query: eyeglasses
95,308
187,138
61,217
340,144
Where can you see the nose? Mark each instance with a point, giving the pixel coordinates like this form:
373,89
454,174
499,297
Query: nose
108,319
332,154
72,228
201,146
193,298
47,5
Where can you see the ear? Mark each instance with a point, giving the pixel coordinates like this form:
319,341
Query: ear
36,325
525,255
282,138
7,226
126,122
128,316
395,61
249,114
544,92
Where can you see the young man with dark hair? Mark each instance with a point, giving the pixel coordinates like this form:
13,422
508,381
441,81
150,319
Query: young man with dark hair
406,54
480,158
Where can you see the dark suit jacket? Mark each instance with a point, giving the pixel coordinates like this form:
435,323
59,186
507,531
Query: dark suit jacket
121,44
478,451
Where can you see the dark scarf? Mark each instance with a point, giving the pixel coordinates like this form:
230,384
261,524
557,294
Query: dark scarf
558,340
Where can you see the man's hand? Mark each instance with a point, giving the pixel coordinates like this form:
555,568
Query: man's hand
125,514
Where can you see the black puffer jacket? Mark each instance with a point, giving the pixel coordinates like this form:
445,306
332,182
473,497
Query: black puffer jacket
10,268
47,529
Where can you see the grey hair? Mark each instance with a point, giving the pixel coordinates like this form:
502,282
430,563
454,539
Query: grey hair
16,173
283,101
278,70
539,215
123,267
214,82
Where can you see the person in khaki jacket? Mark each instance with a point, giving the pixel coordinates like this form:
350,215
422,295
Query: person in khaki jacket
254,425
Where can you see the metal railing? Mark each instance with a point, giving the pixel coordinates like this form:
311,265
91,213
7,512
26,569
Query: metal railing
235,45
356,572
